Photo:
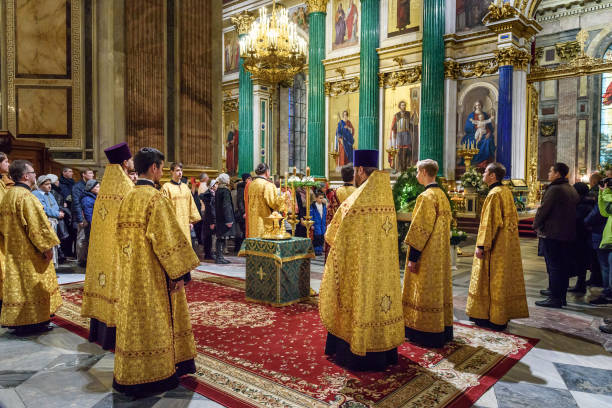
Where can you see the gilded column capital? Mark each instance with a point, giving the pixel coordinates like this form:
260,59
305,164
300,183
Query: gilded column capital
317,6
451,69
497,12
243,22
567,50
519,59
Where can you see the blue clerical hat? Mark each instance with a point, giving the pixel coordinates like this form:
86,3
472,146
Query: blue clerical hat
118,153
365,158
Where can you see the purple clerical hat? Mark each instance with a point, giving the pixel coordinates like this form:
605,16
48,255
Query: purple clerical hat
118,153
365,158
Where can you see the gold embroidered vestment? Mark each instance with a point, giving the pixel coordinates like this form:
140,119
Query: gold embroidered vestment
344,192
5,184
428,294
360,293
153,329
261,199
30,290
184,206
497,285
101,294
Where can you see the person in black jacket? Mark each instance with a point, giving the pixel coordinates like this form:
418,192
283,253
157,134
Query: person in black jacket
241,210
78,218
582,245
208,219
224,215
66,182
558,235
597,223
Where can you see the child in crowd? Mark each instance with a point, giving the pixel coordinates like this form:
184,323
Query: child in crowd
318,211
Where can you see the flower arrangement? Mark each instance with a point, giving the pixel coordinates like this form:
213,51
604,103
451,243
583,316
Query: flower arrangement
407,189
457,236
473,178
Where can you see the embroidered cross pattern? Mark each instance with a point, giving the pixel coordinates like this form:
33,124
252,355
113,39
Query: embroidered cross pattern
385,303
261,273
387,226
103,211
127,250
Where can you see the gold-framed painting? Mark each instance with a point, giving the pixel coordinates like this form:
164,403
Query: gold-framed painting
343,130
404,16
230,141
346,22
231,52
401,127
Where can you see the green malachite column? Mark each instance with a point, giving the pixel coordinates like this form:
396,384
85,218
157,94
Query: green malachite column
368,68
243,22
245,121
316,88
432,83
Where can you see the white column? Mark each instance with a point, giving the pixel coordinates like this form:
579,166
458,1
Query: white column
450,17
519,124
327,136
382,154
450,127
256,127
284,129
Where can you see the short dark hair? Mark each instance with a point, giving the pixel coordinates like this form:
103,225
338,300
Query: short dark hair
85,170
319,193
246,176
3,157
561,168
498,169
369,170
146,157
174,165
18,169
65,169
348,173
261,169
581,188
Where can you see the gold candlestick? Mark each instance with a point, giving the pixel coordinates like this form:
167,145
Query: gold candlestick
293,219
307,222
467,155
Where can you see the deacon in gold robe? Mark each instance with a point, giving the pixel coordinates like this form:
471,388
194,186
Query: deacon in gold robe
180,195
428,288
343,192
360,297
155,343
101,292
30,291
261,198
497,287
5,184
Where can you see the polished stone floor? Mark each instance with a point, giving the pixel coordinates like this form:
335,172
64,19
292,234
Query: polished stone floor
569,367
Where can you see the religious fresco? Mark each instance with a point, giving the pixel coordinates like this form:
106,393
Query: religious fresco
401,126
404,16
230,146
343,130
477,121
231,52
299,15
470,14
346,22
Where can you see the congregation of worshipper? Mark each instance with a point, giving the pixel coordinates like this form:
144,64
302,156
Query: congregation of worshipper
305,203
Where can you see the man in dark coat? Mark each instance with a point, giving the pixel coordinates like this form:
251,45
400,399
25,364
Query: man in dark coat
208,221
66,182
224,215
241,210
555,225
78,219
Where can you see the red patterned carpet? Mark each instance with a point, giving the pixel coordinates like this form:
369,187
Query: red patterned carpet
254,355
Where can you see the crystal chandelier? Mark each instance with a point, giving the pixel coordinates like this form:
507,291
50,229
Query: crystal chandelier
272,50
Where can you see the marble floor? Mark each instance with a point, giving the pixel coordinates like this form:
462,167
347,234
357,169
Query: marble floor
569,367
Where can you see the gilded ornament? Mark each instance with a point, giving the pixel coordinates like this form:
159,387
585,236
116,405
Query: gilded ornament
478,68
316,6
385,303
230,105
451,69
567,50
519,59
548,130
243,22
387,226
497,13
532,146
399,78
128,250
342,87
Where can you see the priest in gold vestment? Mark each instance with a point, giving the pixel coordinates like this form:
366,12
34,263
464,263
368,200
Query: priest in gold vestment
30,291
180,195
360,297
101,291
428,288
343,192
5,183
261,198
155,343
497,287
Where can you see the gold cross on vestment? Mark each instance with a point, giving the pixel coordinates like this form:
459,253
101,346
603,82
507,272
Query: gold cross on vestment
385,303
103,211
127,250
387,226
261,273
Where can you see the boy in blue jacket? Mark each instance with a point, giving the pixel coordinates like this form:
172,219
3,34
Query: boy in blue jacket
318,211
